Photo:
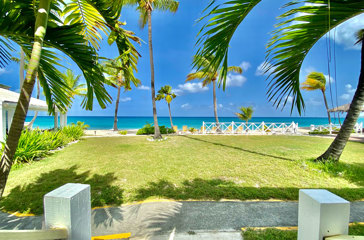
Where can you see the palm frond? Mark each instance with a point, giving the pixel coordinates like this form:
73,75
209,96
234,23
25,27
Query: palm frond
298,31
215,35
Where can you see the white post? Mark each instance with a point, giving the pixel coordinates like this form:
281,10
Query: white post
10,117
56,120
69,207
312,127
361,128
293,127
203,128
2,122
263,128
330,128
321,214
63,120
232,127
296,130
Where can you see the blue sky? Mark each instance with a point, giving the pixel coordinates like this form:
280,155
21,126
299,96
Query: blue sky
174,37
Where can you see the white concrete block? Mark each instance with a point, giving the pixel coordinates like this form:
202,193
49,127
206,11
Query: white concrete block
321,214
69,207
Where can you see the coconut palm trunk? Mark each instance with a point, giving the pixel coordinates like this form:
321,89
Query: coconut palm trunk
22,106
157,134
30,125
337,147
116,110
215,101
327,106
170,114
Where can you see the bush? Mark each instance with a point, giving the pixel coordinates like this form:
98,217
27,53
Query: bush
148,129
35,144
74,131
123,132
318,132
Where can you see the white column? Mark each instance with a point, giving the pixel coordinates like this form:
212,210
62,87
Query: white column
69,207
2,122
263,127
56,120
321,214
10,117
330,128
63,119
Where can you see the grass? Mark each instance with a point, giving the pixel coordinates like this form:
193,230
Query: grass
275,234
128,169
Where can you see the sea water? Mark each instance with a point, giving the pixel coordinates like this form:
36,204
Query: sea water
105,123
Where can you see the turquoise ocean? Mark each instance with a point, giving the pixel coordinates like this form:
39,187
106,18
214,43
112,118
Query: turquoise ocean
105,123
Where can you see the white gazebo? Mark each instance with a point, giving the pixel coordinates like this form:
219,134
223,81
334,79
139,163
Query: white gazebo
8,101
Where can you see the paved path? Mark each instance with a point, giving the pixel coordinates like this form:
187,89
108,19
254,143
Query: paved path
185,220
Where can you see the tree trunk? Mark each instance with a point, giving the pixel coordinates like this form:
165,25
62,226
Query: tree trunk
21,68
30,125
215,101
337,147
170,114
116,110
25,94
327,106
157,133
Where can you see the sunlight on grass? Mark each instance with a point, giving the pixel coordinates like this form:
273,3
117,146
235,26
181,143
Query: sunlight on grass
127,169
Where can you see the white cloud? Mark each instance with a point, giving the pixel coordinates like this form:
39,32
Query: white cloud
261,69
2,71
346,32
349,92
289,99
186,106
127,99
143,87
220,106
233,80
245,66
190,88
315,102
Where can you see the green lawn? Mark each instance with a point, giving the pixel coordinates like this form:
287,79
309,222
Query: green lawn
127,169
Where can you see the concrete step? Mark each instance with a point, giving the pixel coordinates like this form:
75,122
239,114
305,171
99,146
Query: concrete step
211,235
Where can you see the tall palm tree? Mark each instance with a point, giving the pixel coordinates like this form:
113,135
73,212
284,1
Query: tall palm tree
317,81
146,7
119,76
209,76
245,114
166,93
72,81
17,20
300,28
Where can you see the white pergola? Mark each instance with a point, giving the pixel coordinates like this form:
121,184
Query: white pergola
8,101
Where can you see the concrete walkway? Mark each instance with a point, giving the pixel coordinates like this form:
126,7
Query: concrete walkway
185,220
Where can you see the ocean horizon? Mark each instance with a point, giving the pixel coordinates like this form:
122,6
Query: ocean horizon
124,123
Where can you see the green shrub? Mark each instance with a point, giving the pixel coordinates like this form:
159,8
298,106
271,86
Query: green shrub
35,144
74,131
148,129
123,132
318,132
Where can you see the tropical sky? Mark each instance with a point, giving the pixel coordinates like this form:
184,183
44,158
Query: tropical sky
174,38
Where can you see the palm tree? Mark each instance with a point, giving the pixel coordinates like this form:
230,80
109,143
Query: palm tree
317,81
245,114
209,76
146,7
118,76
167,94
300,28
17,25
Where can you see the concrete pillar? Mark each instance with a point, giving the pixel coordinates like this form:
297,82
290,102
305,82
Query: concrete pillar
2,122
321,214
69,207
56,120
63,119
10,117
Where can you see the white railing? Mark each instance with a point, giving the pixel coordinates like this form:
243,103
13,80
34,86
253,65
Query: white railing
358,128
249,128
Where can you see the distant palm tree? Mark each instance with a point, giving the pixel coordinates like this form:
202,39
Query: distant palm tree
167,94
145,8
317,81
119,75
245,114
72,81
208,76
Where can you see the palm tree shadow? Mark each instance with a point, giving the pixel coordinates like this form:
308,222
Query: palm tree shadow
29,198
239,149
